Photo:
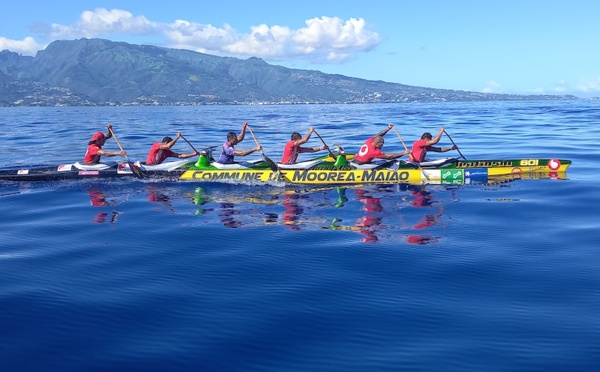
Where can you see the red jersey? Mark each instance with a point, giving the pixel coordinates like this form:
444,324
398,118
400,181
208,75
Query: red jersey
290,152
91,155
157,156
419,150
368,152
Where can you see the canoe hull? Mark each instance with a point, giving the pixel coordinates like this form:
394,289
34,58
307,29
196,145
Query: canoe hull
465,172
325,173
354,177
72,172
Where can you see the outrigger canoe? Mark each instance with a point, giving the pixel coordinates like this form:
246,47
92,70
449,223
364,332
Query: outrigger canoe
324,170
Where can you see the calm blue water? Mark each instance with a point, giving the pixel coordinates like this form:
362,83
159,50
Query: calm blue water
136,275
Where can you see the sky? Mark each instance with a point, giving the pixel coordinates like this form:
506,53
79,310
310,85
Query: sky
509,46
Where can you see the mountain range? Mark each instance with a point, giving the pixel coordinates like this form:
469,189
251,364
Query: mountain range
102,72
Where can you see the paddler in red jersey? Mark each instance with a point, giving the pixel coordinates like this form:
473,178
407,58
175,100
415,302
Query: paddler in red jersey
94,150
159,151
293,148
420,147
372,149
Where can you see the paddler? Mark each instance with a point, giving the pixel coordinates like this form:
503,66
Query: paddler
372,149
293,148
421,146
159,151
94,150
228,153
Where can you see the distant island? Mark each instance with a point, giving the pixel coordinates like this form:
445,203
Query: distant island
97,72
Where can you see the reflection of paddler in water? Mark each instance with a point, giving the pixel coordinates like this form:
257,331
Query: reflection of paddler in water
156,196
292,211
98,199
367,224
423,199
421,239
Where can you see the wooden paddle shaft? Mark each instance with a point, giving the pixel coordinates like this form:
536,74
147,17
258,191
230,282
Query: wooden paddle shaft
255,140
136,170
451,140
324,144
401,140
189,143
118,143
270,162
406,148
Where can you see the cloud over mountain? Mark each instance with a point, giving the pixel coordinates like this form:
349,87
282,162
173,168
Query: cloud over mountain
323,39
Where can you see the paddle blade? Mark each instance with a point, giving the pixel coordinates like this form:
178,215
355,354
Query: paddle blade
136,170
271,163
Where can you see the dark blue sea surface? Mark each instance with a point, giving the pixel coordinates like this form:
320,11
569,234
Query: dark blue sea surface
140,275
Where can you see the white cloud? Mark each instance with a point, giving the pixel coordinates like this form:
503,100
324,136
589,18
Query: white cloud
492,87
103,22
324,39
589,86
28,46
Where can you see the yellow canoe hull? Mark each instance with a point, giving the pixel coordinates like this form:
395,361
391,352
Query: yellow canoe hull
381,176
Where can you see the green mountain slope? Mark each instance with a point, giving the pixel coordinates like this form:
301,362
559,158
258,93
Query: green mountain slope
100,72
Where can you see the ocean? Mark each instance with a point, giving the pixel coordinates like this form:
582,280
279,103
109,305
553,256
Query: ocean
142,275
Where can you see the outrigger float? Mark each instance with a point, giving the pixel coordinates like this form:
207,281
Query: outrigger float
325,170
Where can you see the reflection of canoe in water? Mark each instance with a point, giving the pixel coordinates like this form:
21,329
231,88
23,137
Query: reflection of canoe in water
324,170
526,176
329,171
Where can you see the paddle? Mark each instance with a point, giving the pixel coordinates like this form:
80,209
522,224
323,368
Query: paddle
406,148
455,145
270,162
188,142
401,140
135,169
324,144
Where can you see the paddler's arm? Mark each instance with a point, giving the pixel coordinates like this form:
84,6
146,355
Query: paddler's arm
442,149
305,139
435,139
312,149
242,134
394,155
246,152
111,153
167,146
109,134
383,132
185,156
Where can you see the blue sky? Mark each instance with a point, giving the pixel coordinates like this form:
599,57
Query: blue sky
510,46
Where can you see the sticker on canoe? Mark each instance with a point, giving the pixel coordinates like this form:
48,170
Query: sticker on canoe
452,176
88,173
554,164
